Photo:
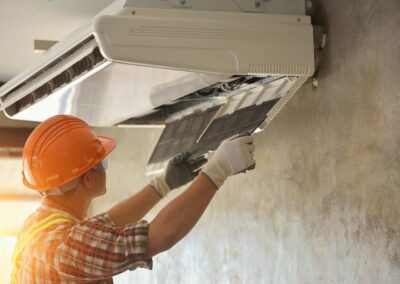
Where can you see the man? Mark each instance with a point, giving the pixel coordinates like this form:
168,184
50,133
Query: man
66,162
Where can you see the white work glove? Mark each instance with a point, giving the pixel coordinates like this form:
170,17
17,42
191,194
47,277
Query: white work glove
180,170
233,156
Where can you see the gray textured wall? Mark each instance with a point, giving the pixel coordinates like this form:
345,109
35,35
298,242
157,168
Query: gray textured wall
322,205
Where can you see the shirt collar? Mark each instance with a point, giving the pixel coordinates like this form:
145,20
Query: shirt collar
55,206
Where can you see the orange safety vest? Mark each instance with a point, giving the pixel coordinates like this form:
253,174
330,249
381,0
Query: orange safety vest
25,237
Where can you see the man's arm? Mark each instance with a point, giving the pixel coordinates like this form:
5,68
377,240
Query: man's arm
134,208
180,215
233,156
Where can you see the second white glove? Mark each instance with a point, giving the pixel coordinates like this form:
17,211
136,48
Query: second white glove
233,156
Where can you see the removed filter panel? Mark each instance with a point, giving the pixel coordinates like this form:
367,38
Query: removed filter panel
181,135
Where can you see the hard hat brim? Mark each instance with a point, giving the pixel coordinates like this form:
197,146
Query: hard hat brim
108,143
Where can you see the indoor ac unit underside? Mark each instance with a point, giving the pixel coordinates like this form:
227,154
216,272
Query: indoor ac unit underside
204,70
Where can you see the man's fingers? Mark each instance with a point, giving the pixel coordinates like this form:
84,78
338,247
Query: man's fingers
251,148
196,164
179,158
196,173
185,155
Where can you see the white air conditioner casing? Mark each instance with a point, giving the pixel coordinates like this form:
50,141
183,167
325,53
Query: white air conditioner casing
204,69
149,54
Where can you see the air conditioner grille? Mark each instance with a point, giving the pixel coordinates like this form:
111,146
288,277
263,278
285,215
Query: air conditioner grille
84,65
50,65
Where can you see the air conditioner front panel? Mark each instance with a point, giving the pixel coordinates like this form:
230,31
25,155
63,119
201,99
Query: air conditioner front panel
118,92
200,41
130,65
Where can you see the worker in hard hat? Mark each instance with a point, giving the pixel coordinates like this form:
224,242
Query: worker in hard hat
65,161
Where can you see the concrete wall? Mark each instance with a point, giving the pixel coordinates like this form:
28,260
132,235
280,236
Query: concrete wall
322,205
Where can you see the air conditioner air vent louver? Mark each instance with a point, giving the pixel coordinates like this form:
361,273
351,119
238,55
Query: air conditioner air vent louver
84,65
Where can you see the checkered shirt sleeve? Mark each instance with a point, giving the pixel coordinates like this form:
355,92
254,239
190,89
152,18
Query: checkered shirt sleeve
93,249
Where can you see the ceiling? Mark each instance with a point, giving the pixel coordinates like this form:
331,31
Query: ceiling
22,21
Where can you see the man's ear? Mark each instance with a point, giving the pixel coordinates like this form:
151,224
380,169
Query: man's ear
87,180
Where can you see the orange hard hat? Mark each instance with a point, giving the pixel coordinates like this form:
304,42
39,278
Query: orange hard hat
61,149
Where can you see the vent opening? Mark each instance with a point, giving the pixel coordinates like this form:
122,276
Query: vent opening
72,73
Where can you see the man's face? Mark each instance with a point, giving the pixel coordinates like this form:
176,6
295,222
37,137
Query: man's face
99,178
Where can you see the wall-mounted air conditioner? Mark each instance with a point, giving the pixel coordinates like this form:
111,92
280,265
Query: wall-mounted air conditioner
205,69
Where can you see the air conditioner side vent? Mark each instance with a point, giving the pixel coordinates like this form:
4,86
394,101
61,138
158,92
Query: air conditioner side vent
50,65
84,65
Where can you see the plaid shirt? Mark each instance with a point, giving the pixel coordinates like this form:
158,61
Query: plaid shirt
80,251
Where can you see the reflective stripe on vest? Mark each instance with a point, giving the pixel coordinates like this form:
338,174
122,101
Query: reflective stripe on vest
25,238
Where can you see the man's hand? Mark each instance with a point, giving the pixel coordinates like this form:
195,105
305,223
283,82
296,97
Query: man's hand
180,170
233,156
170,225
